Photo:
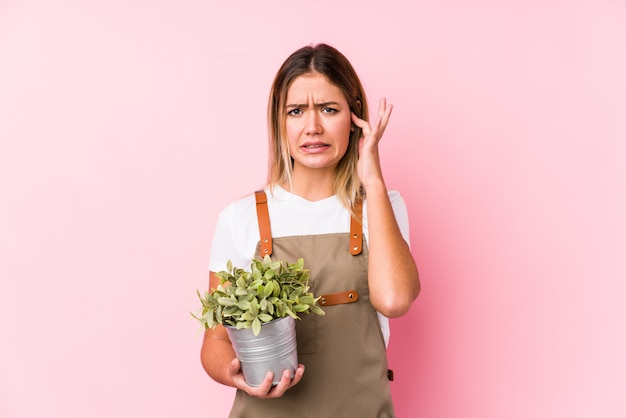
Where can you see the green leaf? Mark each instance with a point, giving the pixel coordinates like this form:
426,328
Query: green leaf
254,306
256,326
241,282
226,301
232,311
265,318
210,321
275,288
295,293
276,266
255,284
244,305
317,310
308,299
291,313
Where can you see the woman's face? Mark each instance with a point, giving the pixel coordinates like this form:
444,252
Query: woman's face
318,121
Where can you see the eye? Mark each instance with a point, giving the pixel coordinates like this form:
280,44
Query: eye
294,112
329,110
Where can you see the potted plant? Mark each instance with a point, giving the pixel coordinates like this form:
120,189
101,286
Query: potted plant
258,309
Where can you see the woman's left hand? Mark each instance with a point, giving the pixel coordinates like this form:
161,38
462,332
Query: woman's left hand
369,169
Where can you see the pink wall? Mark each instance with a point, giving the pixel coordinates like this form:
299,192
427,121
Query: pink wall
126,126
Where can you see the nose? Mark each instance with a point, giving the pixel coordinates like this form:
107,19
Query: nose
313,123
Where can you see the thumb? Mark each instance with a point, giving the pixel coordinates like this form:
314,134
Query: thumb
234,366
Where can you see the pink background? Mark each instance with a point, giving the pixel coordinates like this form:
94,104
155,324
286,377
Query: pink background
126,126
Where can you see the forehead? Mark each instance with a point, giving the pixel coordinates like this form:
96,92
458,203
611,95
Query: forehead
313,86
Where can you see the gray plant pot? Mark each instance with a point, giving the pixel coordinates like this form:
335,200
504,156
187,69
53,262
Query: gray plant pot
274,349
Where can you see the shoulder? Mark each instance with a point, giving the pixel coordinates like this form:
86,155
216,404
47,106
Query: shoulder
397,202
235,235
399,210
395,196
239,208
238,219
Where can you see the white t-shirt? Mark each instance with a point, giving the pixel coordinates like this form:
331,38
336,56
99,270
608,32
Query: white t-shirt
237,231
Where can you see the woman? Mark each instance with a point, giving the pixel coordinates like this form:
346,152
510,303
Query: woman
324,173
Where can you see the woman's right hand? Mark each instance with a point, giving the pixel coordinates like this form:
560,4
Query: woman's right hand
265,390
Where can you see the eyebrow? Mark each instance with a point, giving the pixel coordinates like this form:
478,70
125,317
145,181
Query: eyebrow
323,104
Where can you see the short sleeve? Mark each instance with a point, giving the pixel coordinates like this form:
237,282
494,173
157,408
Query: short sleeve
401,213
224,246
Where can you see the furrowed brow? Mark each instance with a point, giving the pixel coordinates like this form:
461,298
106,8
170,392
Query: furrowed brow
326,104
323,104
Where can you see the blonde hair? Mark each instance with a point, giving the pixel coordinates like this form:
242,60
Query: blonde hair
332,64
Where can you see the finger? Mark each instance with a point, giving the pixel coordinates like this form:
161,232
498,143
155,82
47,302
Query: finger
298,375
282,386
386,116
234,366
383,117
363,124
384,109
382,106
384,113
234,369
291,382
358,121
262,390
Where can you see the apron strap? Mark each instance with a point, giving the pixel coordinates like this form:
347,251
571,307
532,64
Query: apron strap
356,228
265,232
331,299
263,218
356,243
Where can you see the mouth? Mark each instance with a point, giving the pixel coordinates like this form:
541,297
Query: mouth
314,145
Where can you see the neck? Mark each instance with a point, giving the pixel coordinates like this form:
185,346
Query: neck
313,186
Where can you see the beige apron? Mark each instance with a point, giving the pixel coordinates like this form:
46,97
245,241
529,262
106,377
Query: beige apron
343,351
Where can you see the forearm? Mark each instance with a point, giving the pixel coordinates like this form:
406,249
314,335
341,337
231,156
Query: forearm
217,351
393,277
216,354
